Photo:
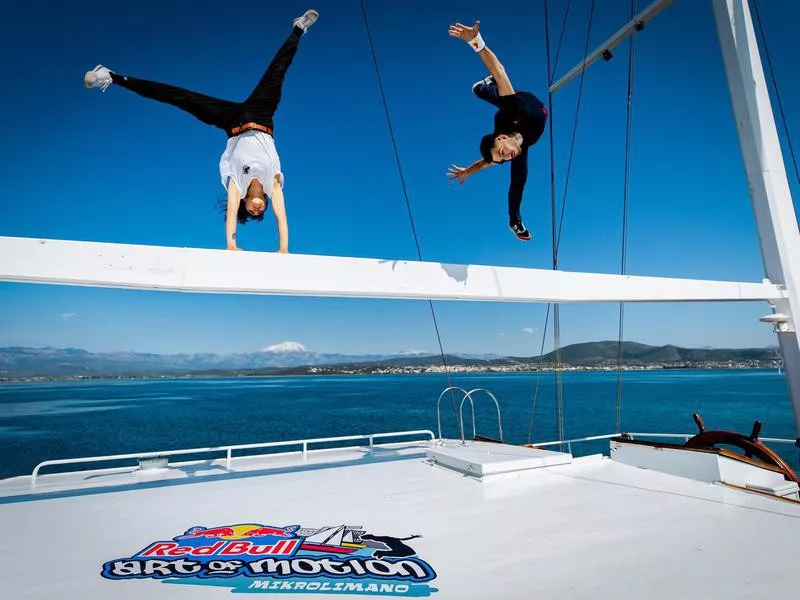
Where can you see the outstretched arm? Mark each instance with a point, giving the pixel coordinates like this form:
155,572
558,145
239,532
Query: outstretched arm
280,216
474,39
230,217
461,173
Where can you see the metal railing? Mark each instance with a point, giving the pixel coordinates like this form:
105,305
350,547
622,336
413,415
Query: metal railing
304,444
460,416
469,397
630,436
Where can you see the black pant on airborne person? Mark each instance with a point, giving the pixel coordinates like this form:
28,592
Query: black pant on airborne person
259,107
488,91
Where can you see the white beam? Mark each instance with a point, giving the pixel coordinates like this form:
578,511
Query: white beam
643,17
224,272
770,194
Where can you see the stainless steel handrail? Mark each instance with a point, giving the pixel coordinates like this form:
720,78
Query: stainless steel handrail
371,437
460,420
496,403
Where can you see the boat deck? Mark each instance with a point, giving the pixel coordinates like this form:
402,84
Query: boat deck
588,528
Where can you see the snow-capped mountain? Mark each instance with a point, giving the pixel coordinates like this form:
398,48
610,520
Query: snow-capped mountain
285,347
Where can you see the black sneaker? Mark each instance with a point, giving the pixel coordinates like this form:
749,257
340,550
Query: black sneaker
487,81
519,230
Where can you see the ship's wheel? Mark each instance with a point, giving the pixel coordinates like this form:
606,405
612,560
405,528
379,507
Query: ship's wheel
750,446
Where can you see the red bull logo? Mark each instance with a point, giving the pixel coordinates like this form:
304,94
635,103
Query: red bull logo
262,558
236,540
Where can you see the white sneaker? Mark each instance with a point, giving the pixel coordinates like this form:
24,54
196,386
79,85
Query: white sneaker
307,20
99,77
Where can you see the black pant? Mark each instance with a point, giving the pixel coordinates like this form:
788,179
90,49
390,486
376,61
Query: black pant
519,166
488,92
259,107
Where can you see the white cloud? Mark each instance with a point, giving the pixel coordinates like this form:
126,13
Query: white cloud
502,334
68,316
530,330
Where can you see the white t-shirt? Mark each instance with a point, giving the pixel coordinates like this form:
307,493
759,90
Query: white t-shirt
250,155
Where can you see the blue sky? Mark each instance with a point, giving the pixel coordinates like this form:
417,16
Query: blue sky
116,167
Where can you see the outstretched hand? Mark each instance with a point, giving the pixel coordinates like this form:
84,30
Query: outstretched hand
457,173
465,33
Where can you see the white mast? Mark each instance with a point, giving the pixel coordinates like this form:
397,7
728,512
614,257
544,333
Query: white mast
778,234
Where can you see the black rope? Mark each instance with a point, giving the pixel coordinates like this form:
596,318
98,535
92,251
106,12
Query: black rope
560,40
625,203
556,232
538,377
550,127
405,195
777,92
535,395
557,241
559,376
552,210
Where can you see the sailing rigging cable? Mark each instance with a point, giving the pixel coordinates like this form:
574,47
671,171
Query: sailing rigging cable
625,204
560,40
556,232
777,92
557,241
538,376
550,71
405,195
557,238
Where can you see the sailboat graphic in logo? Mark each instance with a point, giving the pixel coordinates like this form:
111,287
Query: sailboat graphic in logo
264,558
332,539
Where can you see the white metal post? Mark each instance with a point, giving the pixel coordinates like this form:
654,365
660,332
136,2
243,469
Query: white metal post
766,175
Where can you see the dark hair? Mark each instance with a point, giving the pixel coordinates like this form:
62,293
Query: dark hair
487,143
242,216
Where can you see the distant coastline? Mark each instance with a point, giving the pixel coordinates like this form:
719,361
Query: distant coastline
53,364
312,371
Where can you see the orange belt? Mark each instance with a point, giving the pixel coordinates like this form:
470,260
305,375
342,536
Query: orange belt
246,127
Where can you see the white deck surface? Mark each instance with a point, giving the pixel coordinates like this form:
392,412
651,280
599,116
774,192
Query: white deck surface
590,529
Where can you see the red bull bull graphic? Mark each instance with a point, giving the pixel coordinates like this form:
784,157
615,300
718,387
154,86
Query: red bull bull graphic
255,558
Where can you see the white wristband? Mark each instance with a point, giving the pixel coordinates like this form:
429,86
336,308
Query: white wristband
477,43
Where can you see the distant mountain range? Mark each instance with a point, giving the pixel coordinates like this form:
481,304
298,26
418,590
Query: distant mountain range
598,353
21,362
